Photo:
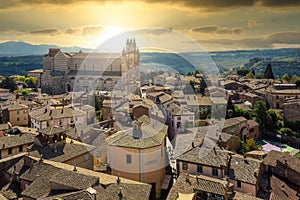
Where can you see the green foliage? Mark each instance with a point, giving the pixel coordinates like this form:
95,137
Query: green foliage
250,75
259,76
30,82
260,114
286,131
253,72
8,83
294,125
274,120
230,108
286,78
203,114
268,74
244,113
243,72
203,86
297,155
98,103
248,145
25,92
295,80
20,64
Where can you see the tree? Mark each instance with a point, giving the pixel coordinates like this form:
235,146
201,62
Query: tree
286,78
295,80
31,82
250,75
253,72
260,113
25,92
248,145
203,86
286,131
268,74
243,72
230,108
8,83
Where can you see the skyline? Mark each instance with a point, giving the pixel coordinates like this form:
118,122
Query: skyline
216,25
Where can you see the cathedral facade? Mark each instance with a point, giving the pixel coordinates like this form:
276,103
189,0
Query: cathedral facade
65,72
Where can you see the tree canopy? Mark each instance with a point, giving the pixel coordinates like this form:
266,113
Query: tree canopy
8,83
260,113
268,72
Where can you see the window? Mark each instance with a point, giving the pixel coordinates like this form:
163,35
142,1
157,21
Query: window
25,118
277,97
178,124
277,105
199,168
86,157
185,166
20,148
215,172
18,118
191,118
25,111
74,162
251,130
239,184
18,112
9,151
178,118
128,159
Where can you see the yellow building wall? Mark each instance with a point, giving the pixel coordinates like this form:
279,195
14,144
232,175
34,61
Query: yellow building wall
15,151
23,117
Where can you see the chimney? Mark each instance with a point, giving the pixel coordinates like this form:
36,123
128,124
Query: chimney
120,194
41,159
118,180
75,169
137,131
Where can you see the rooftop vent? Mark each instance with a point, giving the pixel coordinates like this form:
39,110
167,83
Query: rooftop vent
137,131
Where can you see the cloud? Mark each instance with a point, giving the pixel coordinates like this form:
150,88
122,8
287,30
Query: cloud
278,3
84,30
252,23
91,30
188,3
47,31
217,30
285,38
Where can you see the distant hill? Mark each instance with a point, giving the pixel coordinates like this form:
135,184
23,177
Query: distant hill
19,57
22,49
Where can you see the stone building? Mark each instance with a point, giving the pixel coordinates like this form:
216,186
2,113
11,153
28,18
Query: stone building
80,71
139,154
291,110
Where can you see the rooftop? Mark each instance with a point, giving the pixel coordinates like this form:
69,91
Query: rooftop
16,140
205,156
273,157
244,169
153,134
187,184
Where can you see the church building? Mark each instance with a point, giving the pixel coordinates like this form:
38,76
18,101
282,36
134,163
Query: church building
65,72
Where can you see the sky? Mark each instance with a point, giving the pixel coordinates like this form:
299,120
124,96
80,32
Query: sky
214,24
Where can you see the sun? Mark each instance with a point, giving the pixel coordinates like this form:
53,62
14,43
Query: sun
111,31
